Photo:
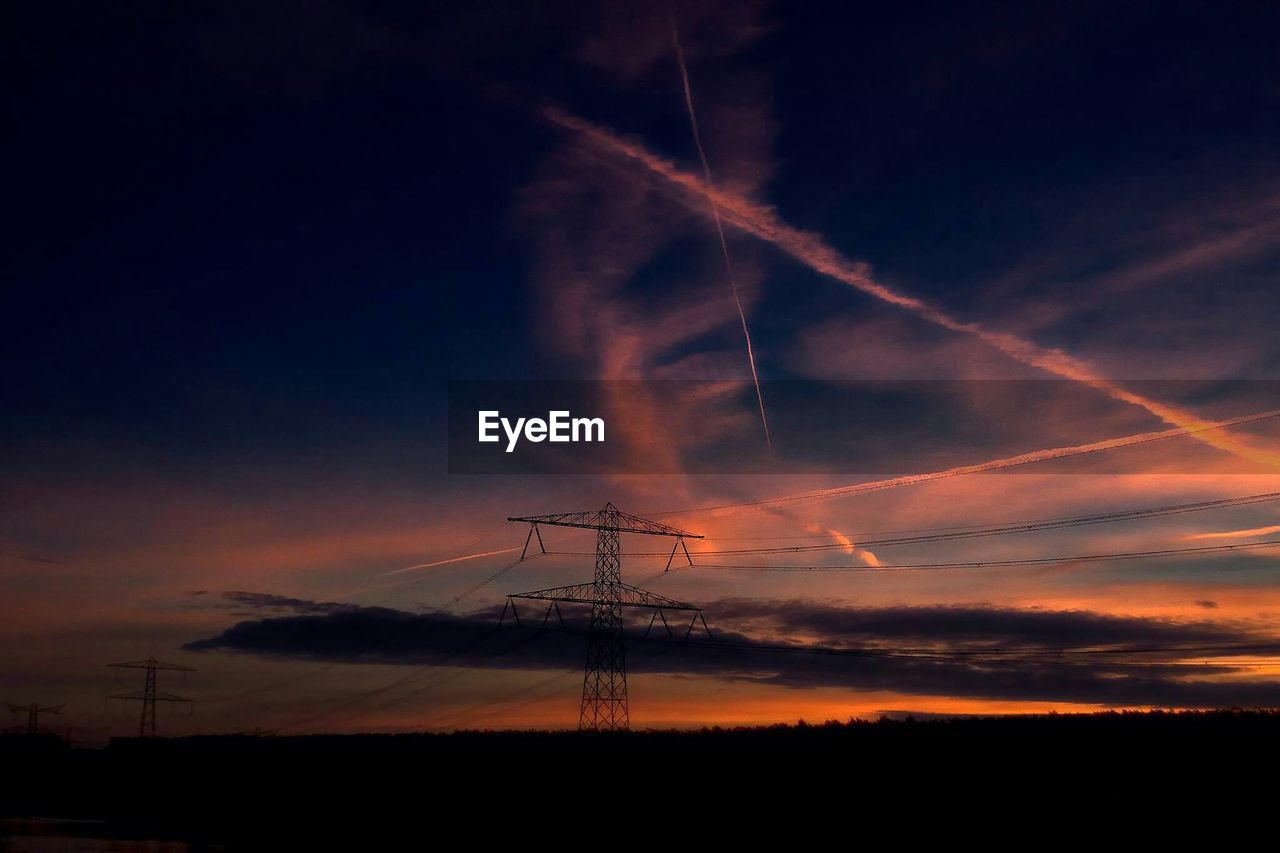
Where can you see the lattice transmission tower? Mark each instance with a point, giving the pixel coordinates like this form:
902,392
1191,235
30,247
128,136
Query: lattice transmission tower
604,686
149,695
33,712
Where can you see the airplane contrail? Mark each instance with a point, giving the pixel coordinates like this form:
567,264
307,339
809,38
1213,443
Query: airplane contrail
1049,454
811,250
448,561
1236,534
848,544
715,215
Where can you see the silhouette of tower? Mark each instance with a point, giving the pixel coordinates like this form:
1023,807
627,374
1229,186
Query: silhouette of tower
604,686
33,712
149,695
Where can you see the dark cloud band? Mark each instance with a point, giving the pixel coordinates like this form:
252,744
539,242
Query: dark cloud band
972,651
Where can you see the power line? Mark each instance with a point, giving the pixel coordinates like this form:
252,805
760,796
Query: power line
1033,561
417,691
1051,454
329,666
1012,655
970,532
1145,512
1038,654
1020,527
472,590
423,672
504,703
928,535
419,674
328,714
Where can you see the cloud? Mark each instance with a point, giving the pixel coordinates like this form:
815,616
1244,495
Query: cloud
266,601
649,274
812,251
1155,271
1235,534
962,626
933,650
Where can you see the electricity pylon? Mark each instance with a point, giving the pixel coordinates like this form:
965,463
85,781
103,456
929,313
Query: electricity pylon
33,712
149,696
604,686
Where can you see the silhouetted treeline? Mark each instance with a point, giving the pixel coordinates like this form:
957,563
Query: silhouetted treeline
272,791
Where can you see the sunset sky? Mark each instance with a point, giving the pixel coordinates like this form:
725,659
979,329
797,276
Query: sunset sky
252,244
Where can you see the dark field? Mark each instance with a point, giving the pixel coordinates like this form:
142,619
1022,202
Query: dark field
284,792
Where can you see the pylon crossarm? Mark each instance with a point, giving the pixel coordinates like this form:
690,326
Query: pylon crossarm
151,664
609,517
143,697
586,593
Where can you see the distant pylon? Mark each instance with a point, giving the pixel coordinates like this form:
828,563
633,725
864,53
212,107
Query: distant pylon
149,696
33,712
604,686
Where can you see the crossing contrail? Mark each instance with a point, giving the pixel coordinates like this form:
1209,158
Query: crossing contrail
1236,534
1049,454
847,544
448,561
811,250
715,215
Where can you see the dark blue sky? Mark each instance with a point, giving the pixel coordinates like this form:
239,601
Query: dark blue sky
216,211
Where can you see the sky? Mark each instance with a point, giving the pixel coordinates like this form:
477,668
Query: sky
252,245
